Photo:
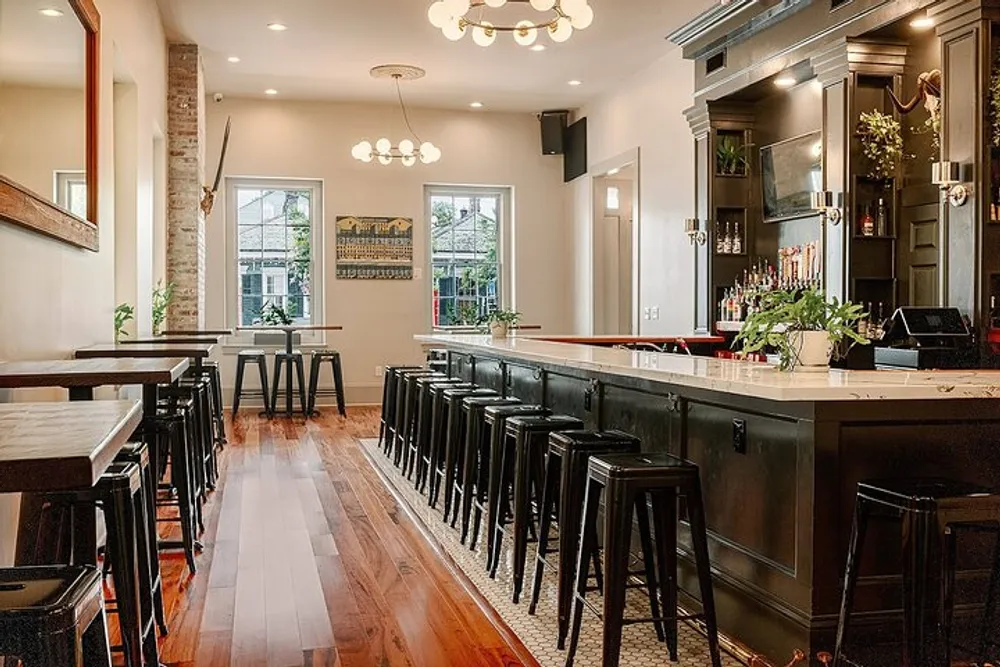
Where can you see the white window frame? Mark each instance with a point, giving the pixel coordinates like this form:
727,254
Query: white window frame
61,181
505,239
315,186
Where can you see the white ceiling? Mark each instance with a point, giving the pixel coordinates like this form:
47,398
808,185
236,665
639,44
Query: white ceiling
331,44
39,50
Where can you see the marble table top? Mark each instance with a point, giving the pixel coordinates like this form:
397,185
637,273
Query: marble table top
735,377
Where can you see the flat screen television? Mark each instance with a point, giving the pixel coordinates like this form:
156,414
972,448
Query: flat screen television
791,171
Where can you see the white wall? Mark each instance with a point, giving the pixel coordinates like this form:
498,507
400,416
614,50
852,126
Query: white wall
313,140
645,112
58,298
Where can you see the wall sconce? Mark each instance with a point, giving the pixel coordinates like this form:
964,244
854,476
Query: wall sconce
948,175
827,204
692,227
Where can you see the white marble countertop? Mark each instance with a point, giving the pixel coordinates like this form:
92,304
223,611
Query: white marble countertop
735,377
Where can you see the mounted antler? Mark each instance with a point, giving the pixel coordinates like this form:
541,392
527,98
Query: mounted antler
208,196
928,91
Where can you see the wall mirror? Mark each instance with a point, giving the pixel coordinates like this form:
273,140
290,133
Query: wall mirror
48,118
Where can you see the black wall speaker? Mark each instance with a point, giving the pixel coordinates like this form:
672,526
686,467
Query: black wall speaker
553,131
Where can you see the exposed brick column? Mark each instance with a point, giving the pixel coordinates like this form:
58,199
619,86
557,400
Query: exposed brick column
185,175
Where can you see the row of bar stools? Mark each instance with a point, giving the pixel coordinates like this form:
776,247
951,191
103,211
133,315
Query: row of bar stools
387,425
258,358
565,480
626,480
53,616
521,477
495,418
403,413
443,449
924,506
118,493
413,385
473,481
420,443
315,366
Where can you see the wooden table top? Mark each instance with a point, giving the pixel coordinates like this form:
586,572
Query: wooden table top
295,327
196,332
190,350
90,372
62,446
171,340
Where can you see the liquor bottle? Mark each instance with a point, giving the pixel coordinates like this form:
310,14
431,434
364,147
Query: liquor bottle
718,238
881,219
727,242
737,240
867,222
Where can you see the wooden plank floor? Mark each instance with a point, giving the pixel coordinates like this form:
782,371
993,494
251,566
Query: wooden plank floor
309,560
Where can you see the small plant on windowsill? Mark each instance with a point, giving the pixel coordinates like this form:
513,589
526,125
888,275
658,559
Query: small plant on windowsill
163,296
804,327
123,314
500,321
273,315
731,156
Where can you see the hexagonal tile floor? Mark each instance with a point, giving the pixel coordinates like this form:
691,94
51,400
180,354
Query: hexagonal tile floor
640,647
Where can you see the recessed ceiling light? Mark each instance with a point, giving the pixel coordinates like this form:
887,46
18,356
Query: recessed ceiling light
270,91
277,27
574,82
922,23
476,105
53,13
233,59
785,82
538,47
614,172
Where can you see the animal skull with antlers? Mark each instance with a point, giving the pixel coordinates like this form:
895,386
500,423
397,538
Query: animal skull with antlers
208,193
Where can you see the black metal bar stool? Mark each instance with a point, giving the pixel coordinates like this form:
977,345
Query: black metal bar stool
53,616
924,506
437,432
138,453
521,472
407,440
403,413
293,364
562,494
388,415
118,493
315,365
171,429
259,358
420,442
207,457
627,480
444,472
495,418
474,459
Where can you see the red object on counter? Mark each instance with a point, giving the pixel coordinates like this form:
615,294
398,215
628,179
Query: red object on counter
993,338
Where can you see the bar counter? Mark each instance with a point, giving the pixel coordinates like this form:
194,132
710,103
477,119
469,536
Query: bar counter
780,456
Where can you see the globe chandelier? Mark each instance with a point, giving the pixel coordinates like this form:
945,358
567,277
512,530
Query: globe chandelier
408,151
559,19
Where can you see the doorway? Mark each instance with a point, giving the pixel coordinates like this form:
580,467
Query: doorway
615,203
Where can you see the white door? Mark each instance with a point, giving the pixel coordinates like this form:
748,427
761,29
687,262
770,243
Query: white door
614,256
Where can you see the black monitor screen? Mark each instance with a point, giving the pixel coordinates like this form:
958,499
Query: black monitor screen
933,321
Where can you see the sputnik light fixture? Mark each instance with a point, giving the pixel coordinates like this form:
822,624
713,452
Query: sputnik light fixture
559,19
408,151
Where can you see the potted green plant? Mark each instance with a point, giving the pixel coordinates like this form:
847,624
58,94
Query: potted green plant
804,327
272,315
163,296
124,312
500,321
881,142
730,156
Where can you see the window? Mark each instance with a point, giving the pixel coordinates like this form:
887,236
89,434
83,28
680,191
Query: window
467,233
614,195
71,192
275,233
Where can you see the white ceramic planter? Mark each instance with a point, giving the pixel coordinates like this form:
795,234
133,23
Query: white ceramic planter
498,329
811,350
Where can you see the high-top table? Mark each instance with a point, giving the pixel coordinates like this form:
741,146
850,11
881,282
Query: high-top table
50,447
172,340
197,332
289,330
197,352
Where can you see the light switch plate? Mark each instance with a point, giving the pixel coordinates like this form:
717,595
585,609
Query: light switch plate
656,312
645,314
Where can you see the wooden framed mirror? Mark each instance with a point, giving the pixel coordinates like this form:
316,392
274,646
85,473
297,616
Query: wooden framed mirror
49,93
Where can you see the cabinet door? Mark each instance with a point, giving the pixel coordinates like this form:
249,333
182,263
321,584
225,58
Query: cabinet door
651,417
